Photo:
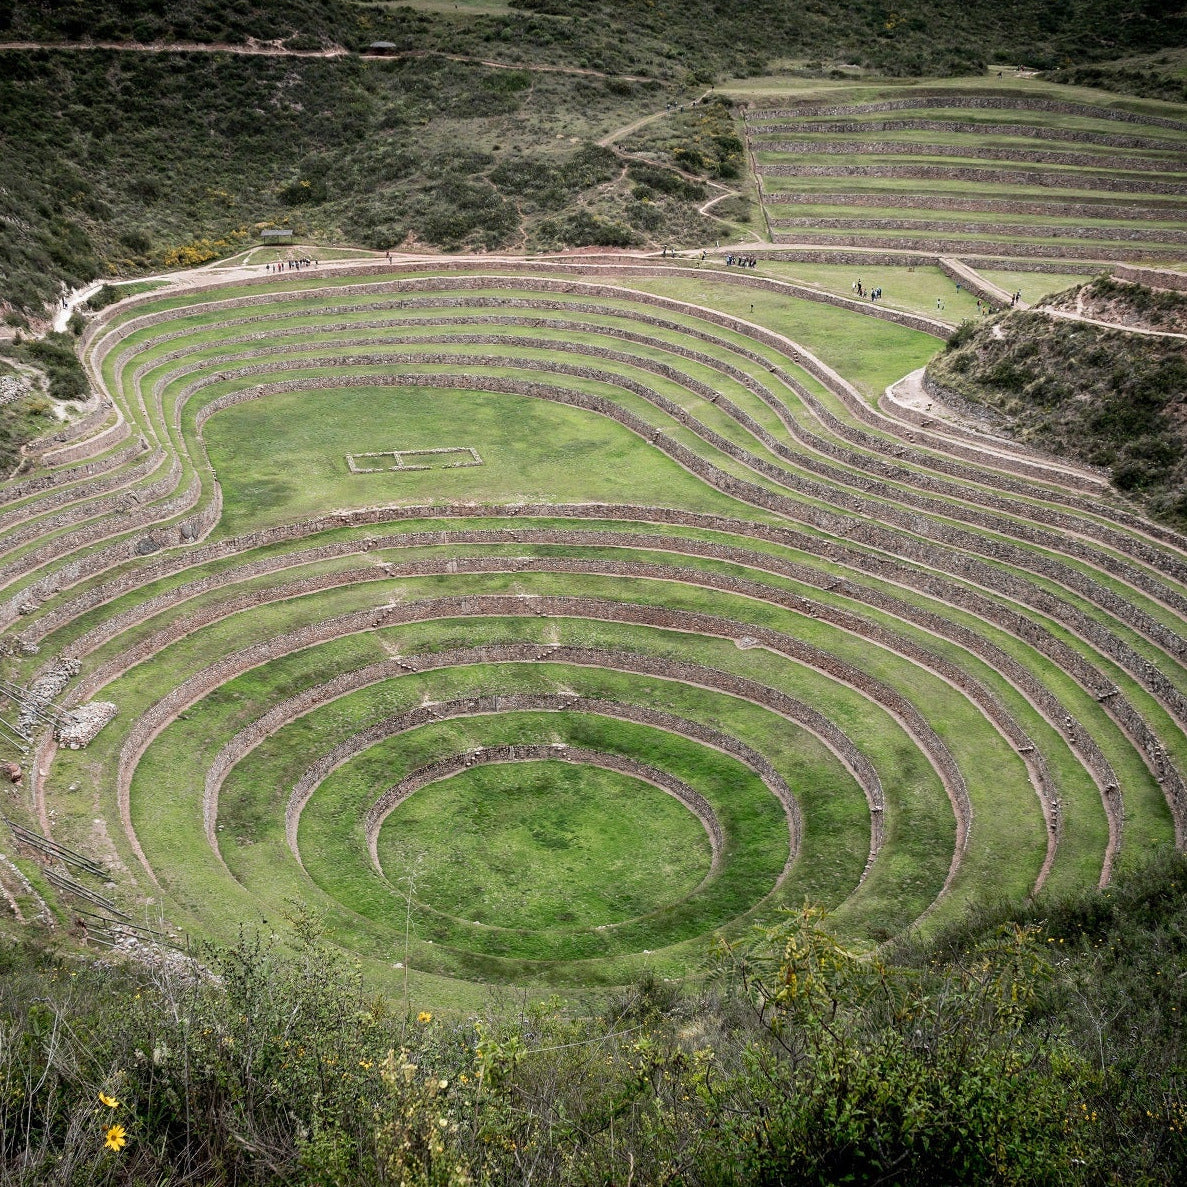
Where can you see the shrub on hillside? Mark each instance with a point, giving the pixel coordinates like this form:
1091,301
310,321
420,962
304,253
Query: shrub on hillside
54,354
1099,396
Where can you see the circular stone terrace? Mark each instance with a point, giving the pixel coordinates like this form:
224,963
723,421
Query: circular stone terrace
576,610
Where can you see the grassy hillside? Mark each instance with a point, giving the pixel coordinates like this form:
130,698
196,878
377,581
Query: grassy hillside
700,36
1161,74
303,24
1097,395
123,162
117,162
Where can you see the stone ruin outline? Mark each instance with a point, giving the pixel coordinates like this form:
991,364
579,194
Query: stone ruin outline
475,459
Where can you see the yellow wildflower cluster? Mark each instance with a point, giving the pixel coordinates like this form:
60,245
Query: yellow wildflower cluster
191,254
115,1136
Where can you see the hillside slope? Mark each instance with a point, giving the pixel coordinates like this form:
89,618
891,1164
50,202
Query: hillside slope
1101,396
702,36
114,162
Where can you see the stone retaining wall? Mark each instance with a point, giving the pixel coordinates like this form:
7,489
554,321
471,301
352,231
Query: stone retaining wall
77,511
871,257
1063,657
1058,267
939,98
90,447
871,533
934,623
1023,131
124,503
1159,278
980,205
895,148
444,768
312,698
44,483
912,481
859,504
127,548
850,397
845,620
956,247
967,278
79,428
1034,230
165,710
1017,177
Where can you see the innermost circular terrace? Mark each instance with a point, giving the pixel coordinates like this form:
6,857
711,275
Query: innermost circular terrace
543,844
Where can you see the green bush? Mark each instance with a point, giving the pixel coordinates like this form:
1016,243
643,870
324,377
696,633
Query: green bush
106,294
54,354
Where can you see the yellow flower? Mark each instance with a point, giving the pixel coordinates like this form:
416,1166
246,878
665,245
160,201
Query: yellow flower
366,1063
424,1017
109,1101
115,1138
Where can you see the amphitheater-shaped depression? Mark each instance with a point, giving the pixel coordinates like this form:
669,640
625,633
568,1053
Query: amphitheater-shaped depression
585,618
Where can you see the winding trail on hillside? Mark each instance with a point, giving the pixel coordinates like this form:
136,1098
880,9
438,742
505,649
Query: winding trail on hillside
1071,315
249,49
270,49
618,133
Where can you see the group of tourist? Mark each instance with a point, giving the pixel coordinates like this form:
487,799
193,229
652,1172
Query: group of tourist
742,261
291,265
862,291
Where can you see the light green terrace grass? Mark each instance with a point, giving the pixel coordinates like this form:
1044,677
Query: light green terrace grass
762,140
782,210
1080,850
1086,192
772,91
1016,119
587,910
179,847
284,457
132,288
914,290
1085,176
1033,285
955,720
546,844
980,242
870,353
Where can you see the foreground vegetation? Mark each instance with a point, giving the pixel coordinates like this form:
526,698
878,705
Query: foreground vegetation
1040,1045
